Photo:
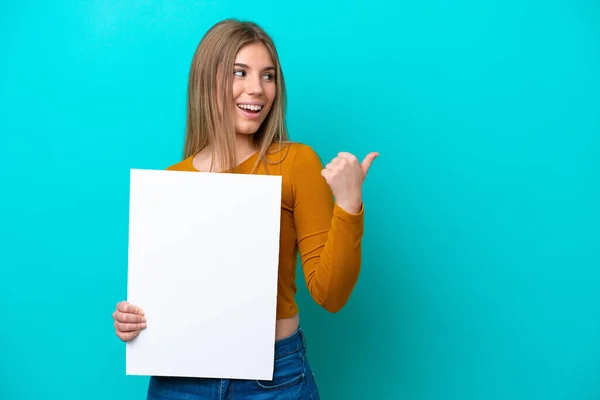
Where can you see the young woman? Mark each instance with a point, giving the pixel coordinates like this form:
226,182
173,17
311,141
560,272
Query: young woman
235,124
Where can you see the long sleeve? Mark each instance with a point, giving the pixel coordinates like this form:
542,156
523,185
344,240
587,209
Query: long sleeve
329,238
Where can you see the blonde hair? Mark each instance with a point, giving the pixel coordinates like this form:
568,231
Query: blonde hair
210,78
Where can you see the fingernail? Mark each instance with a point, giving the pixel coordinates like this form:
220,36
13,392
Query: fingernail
143,326
143,319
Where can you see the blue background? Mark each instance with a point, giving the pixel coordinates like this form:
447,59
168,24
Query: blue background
481,258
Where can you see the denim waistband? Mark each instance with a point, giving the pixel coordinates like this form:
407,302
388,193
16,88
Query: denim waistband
291,344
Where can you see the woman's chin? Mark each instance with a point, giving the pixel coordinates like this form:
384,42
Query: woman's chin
247,128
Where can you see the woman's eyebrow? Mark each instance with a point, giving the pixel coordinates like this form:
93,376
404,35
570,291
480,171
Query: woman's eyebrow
247,67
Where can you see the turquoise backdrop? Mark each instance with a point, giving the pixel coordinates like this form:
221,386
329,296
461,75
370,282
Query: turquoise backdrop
481,269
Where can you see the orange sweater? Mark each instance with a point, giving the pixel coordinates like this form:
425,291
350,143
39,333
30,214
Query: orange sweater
327,238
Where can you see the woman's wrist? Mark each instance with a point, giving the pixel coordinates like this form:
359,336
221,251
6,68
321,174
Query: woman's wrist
350,206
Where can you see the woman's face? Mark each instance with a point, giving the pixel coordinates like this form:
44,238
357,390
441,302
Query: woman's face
254,87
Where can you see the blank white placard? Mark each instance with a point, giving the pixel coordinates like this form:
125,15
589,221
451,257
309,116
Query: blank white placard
203,262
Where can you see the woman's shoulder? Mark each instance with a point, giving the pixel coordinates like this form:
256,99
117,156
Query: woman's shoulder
289,155
183,165
292,153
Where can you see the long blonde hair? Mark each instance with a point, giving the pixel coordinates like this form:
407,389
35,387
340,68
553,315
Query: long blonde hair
210,78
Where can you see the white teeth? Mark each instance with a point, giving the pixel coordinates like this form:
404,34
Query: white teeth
250,107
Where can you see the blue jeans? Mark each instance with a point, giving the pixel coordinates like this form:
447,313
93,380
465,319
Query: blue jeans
292,380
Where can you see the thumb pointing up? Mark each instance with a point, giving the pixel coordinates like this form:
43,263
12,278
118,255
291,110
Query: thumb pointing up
366,163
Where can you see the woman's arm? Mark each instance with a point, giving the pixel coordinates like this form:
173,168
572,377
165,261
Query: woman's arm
329,234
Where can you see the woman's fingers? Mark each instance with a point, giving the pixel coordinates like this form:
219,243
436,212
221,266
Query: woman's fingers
126,307
127,336
128,317
127,327
129,321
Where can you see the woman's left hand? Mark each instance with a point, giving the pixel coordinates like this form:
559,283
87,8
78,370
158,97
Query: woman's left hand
345,176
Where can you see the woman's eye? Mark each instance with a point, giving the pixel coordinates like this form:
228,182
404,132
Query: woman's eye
269,76
239,73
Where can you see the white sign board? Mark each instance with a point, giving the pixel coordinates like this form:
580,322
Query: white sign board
203,262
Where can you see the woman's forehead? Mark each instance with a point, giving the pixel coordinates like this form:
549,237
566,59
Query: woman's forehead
255,56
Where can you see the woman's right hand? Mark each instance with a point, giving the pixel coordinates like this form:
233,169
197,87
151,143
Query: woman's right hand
129,321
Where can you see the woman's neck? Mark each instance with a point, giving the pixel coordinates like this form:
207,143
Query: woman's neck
244,146
244,149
